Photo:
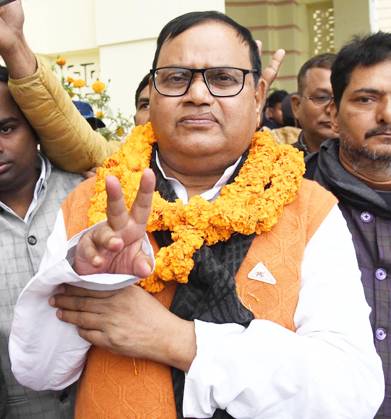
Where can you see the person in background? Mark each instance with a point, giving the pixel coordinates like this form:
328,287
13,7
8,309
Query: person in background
87,112
31,192
289,133
288,118
142,102
356,168
273,117
311,105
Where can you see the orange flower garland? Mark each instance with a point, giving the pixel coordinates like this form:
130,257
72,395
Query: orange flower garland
268,180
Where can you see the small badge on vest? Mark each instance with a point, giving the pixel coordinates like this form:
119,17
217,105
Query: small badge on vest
261,273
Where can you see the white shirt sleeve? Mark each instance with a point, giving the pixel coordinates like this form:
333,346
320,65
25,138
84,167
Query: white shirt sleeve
45,352
327,369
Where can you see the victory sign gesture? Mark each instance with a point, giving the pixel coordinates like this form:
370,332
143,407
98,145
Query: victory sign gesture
115,246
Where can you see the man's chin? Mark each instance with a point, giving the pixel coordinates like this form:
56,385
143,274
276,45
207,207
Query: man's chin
325,133
373,152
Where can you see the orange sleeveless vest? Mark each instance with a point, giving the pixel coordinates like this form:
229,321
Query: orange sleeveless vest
118,387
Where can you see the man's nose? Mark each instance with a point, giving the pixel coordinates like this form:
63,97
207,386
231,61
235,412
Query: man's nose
384,110
327,108
198,92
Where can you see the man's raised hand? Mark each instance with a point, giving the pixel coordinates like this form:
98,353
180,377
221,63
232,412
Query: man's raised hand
271,70
11,25
14,49
115,246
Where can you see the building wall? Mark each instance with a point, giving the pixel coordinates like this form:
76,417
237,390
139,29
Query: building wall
116,37
54,26
302,27
352,17
278,24
382,11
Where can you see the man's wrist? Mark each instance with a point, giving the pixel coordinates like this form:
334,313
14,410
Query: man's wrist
20,60
181,345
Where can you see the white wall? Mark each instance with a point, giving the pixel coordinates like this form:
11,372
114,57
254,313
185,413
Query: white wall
383,15
54,26
121,34
141,19
345,25
125,64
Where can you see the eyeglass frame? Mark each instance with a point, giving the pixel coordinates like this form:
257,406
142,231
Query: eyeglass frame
311,98
202,71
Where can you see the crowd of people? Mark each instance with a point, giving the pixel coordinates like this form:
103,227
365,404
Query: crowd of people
206,270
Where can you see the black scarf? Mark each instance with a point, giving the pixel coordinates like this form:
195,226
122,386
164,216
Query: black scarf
210,295
325,168
3,395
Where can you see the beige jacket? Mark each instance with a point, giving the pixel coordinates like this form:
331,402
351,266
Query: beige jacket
286,135
66,137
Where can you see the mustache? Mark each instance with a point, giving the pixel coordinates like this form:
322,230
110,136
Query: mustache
381,129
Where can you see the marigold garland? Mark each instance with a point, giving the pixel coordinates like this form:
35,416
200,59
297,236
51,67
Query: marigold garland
268,180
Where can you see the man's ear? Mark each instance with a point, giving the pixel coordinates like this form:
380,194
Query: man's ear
334,117
260,97
295,104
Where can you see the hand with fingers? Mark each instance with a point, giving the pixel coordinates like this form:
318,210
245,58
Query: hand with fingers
129,322
115,246
270,72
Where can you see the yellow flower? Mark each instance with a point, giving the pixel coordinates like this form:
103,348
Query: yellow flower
61,61
99,114
70,80
79,83
98,86
120,131
268,180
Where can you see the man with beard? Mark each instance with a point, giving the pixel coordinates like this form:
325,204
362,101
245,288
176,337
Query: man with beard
357,169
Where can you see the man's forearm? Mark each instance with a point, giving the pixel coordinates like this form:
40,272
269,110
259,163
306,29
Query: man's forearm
20,60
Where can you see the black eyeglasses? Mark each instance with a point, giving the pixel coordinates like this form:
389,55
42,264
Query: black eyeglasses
220,81
320,100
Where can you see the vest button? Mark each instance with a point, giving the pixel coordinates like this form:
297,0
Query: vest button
366,217
380,334
32,240
380,274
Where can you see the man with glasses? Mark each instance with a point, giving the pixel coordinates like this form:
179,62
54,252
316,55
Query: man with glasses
220,81
311,105
239,242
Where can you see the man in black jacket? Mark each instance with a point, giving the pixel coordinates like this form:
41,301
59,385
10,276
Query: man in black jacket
3,394
357,169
